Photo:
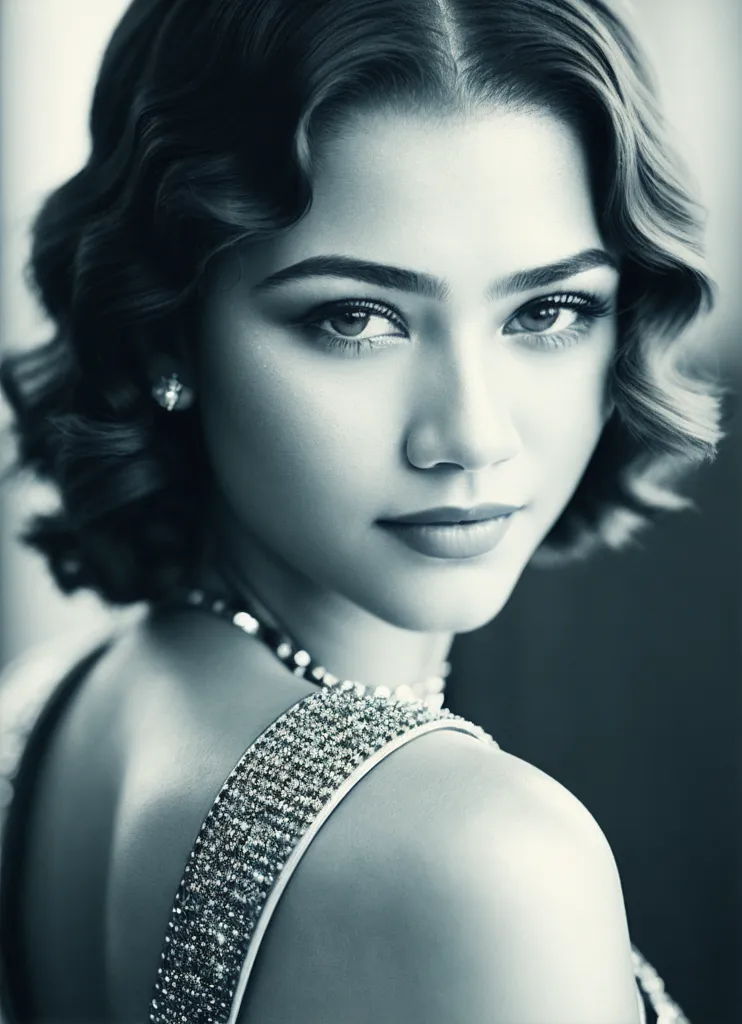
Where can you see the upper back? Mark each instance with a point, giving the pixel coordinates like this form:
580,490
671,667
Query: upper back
393,885
127,777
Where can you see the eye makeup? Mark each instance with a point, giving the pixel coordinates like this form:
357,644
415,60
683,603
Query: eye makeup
359,310
545,330
537,324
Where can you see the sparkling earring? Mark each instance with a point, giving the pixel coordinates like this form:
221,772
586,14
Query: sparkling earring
171,393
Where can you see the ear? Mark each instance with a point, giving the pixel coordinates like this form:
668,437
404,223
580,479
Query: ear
609,400
609,407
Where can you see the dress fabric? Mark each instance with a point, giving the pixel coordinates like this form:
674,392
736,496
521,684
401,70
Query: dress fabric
261,822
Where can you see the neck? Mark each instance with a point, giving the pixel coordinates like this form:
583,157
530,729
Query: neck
349,641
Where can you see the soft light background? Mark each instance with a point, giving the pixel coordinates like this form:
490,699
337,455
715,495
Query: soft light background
49,56
621,677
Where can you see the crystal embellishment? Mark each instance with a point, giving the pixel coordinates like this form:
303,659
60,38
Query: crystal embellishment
167,391
667,1010
270,800
246,622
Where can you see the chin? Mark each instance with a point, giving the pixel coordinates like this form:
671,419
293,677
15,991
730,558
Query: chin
457,606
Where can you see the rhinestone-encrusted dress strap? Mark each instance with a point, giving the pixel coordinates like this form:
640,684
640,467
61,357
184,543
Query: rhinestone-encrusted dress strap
280,793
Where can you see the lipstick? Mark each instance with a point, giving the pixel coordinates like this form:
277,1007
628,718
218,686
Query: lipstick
453,533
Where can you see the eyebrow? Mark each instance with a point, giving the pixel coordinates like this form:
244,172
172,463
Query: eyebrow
433,287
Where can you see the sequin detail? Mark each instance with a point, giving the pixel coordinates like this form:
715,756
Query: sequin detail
276,792
667,1010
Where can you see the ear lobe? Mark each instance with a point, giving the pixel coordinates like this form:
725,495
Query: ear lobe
609,402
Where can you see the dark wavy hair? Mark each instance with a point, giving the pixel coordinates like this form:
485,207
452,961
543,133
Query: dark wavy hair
204,121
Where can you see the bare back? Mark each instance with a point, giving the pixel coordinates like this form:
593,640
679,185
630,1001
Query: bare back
133,767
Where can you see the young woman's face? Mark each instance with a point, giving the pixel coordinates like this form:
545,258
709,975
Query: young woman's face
337,394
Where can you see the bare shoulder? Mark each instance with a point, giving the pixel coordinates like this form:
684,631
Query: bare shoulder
455,883
162,720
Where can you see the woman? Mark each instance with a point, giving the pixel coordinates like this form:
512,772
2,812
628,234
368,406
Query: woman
359,308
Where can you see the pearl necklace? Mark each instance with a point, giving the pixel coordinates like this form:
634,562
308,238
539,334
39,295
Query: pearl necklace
428,691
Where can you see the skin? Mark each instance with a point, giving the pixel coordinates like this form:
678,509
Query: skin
310,446
457,404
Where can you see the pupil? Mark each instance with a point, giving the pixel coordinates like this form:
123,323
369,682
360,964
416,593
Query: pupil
350,323
541,317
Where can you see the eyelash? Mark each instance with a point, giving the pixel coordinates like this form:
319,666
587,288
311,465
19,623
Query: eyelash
588,306
335,341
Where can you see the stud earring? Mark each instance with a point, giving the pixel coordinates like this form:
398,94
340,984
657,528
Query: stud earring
171,393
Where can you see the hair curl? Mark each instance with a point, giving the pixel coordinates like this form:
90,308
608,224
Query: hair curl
203,124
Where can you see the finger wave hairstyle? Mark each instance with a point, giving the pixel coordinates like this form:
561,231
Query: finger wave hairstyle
204,122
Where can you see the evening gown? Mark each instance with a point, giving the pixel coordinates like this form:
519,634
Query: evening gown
261,822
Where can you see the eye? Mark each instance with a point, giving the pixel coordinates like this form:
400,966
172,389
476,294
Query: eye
559,320
352,321
354,324
537,319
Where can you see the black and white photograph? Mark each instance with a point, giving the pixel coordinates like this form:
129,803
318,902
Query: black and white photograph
370,512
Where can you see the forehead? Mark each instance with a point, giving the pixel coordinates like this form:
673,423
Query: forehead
461,196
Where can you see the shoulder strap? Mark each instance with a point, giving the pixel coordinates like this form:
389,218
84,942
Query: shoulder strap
265,816
262,821
652,987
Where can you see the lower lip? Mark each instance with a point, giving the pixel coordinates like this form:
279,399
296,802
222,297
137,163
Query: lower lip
457,540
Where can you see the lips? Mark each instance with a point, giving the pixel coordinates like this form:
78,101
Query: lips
449,515
452,540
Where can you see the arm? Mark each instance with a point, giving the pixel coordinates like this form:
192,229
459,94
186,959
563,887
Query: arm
454,885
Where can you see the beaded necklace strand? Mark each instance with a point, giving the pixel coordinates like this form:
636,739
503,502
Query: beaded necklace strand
245,615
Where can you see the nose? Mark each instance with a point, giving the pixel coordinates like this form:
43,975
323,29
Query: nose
463,416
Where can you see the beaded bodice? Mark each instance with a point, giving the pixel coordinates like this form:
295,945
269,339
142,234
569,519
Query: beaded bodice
261,822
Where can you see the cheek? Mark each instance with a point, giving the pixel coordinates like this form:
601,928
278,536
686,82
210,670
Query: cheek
563,414
287,427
